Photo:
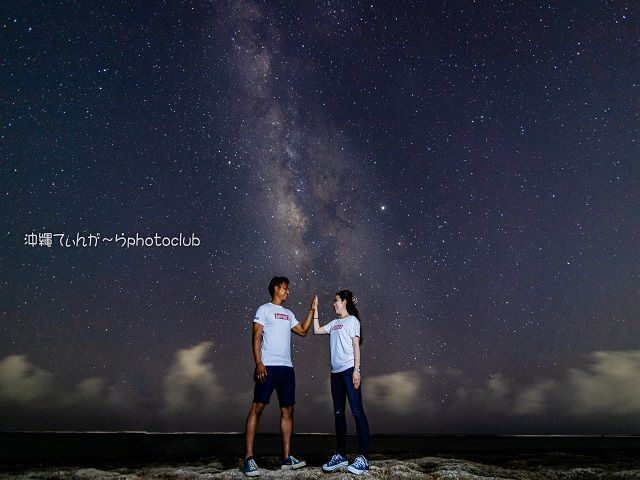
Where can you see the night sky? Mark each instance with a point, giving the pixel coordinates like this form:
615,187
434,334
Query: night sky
468,169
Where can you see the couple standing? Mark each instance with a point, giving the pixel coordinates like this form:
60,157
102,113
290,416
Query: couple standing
272,329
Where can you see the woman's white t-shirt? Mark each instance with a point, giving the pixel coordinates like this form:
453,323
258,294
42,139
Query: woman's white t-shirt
341,332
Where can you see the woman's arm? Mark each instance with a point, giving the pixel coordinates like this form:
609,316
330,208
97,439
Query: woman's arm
317,329
356,362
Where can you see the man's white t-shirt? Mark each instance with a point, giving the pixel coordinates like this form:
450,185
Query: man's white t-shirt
277,323
341,332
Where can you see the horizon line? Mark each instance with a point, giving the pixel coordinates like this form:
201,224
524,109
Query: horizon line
146,432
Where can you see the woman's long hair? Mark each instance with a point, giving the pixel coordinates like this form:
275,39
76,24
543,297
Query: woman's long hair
351,306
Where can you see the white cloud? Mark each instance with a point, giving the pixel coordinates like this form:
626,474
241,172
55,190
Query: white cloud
533,399
22,381
93,391
399,393
610,385
93,388
492,396
191,381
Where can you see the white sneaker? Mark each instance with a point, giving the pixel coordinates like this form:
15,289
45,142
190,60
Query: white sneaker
360,466
250,468
337,461
292,463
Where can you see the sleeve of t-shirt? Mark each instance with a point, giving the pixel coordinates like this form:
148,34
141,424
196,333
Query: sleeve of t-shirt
354,328
293,321
329,325
259,318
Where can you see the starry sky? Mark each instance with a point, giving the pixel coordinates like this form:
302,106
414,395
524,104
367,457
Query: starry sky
468,169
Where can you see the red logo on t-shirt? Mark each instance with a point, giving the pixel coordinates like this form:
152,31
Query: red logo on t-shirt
281,316
337,327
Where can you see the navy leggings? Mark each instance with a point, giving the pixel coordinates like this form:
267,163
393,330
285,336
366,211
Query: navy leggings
341,389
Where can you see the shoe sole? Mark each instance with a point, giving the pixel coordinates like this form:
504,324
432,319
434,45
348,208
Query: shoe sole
358,472
334,468
294,467
252,474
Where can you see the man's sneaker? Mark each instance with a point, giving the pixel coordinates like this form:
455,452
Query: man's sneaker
250,468
360,466
337,461
292,463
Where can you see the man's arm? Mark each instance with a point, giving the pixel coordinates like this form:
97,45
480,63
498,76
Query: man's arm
261,371
302,329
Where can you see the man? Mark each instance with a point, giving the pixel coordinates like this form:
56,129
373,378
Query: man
272,327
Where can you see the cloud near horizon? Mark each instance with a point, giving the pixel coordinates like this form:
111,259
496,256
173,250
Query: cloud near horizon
192,395
21,381
191,382
399,393
24,383
609,385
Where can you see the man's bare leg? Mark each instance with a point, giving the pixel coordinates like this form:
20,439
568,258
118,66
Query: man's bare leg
251,427
286,426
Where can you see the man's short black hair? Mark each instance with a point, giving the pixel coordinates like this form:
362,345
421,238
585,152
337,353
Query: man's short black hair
276,281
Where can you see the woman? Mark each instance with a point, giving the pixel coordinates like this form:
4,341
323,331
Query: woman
345,340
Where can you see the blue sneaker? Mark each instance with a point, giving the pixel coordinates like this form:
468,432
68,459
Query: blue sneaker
360,466
337,461
250,468
292,463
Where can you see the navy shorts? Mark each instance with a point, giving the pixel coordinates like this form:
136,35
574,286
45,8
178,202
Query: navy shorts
280,378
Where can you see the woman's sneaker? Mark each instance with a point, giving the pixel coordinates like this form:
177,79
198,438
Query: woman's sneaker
337,461
360,466
292,463
250,468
